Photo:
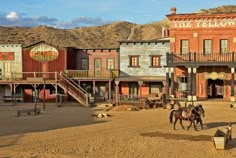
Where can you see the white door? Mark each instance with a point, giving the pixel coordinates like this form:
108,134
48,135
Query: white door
7,70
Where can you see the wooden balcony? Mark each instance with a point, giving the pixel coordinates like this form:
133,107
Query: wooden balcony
28,77
82,74
200,59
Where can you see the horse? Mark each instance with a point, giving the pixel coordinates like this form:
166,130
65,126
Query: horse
193,115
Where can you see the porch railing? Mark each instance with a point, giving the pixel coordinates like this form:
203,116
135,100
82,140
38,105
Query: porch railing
28,76
201,58
92,74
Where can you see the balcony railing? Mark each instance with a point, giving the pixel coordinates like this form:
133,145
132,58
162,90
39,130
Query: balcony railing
92,74
200,58
28,76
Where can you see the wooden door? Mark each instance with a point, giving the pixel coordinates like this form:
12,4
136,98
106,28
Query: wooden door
98,68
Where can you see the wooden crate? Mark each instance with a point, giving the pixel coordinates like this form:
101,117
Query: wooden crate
219,139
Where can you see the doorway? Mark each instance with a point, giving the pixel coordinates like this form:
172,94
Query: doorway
215,88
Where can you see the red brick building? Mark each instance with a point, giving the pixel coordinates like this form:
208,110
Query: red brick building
95,70
201,64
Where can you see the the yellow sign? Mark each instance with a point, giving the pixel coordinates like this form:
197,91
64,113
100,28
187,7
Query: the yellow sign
215,75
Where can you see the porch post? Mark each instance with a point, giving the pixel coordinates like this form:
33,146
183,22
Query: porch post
167,82
117,92
109,93
140,90
194,88
189,84
232,98
94,88
14,93
172,81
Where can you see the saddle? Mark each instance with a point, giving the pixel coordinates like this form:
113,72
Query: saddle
186,113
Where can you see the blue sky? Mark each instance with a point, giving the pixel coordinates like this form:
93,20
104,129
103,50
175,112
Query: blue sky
79,13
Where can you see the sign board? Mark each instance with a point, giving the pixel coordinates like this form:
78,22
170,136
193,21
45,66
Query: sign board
204,23
44,53
215,75
7,56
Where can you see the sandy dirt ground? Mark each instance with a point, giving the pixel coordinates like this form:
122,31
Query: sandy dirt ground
146,134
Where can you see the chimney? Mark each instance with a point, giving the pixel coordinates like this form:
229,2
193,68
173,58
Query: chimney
173,10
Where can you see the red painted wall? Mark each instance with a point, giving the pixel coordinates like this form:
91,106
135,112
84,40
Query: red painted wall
212,26
71,58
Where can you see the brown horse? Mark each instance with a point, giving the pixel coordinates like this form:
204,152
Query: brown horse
193,115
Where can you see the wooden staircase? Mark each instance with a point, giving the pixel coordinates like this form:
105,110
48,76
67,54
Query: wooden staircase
73,89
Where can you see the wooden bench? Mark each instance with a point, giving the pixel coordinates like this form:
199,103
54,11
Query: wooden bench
9,98
28,111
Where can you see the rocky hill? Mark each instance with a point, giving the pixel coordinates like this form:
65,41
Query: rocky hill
106,36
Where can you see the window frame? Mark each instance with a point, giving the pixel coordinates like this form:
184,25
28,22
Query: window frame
182,80
205,47
113,63
182,48
87,65
151,61
130,61
227,46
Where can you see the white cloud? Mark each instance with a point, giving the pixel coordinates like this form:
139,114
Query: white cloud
15,19
12,16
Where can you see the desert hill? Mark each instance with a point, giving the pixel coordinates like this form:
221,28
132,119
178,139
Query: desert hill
106,36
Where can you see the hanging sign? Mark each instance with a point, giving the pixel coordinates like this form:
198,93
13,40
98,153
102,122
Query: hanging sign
44,53
215,75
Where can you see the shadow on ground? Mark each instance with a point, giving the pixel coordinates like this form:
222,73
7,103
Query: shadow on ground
52,118
217,124
177,136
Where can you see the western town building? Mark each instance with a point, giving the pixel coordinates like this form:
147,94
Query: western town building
34,73
95,70
196,61
141,66
201,62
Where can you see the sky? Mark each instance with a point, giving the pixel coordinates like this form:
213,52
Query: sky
68,14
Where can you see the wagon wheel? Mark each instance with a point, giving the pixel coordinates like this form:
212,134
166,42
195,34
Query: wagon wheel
163,100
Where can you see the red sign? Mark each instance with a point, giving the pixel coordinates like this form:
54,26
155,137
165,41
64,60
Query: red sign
7,56
44,53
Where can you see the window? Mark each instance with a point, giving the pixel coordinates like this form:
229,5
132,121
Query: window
207,46
155,60
223,46
134,61
182,83
84,64
110,64
155,88
183,46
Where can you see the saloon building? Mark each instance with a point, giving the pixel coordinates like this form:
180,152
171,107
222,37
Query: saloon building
35,73
201,62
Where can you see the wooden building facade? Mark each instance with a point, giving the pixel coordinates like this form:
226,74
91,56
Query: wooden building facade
201,64
141,65
95,71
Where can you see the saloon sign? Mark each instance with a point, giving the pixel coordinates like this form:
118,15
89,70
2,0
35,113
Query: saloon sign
214,75
204,23
44,53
